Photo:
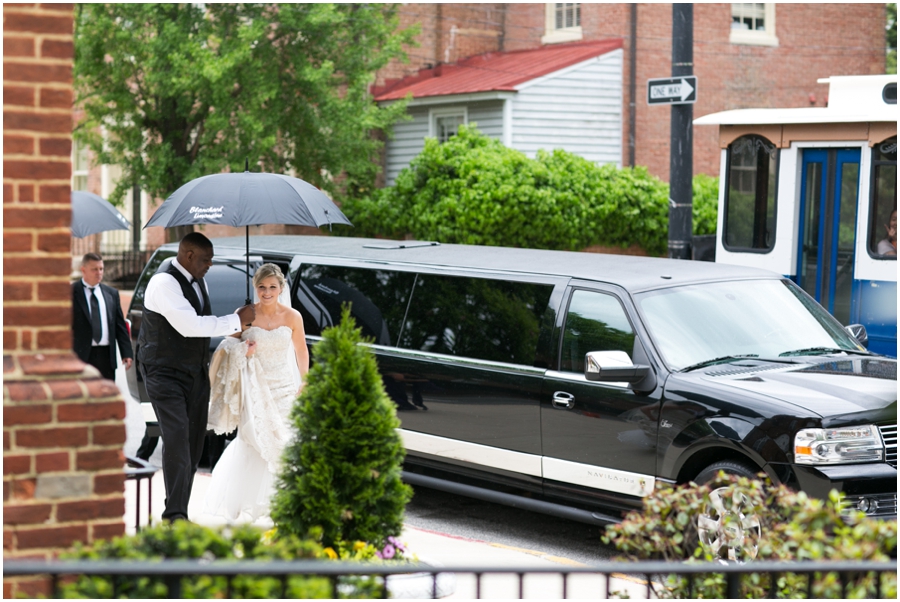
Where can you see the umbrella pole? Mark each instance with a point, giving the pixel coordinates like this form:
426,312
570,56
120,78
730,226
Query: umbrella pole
247,255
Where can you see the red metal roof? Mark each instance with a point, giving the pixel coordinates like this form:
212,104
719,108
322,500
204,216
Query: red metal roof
494,71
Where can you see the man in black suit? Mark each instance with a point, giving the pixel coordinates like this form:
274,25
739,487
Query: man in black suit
97,320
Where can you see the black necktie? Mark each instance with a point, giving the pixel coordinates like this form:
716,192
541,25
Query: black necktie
202,300
96,325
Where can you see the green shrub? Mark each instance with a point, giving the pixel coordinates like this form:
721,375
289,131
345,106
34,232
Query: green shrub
184,540
793,527
474,190
341,475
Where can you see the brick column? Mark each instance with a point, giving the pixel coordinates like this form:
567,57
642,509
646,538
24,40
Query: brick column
62,424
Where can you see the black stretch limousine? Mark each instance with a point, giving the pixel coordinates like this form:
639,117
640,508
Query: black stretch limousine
572,382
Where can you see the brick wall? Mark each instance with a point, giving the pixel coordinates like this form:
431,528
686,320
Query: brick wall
62,425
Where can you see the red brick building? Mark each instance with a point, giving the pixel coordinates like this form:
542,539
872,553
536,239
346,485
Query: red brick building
63,478
745,55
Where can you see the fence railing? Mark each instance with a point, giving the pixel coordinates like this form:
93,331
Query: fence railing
171,572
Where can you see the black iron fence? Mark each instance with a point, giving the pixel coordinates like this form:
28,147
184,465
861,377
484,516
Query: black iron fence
649,576
122,269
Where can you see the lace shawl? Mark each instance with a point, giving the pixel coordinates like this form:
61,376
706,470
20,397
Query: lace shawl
236,381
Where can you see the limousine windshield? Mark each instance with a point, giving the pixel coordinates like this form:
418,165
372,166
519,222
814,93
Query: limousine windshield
695,324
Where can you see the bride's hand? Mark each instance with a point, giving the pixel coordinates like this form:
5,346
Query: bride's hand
251,348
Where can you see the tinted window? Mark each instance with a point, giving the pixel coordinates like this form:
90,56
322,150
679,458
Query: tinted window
137,300
493,320
750,195
227,286
378,299
595,322
883,216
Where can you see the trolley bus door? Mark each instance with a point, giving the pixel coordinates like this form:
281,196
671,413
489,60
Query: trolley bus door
828,206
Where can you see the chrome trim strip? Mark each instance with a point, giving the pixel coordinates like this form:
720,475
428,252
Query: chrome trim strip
579,378
495,457
596,477
586,475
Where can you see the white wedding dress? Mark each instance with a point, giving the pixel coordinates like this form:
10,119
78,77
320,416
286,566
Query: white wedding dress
255,395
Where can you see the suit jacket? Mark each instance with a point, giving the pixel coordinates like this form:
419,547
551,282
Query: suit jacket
115,323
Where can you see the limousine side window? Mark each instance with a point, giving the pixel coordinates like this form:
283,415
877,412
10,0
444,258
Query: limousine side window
494,320
378,299
595,322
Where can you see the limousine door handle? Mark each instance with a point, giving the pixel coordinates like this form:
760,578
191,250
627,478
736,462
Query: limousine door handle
563,400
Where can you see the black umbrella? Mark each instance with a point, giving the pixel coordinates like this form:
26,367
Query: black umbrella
247,199
92,214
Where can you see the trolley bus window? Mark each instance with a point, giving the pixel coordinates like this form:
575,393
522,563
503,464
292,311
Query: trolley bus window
883,214
750,195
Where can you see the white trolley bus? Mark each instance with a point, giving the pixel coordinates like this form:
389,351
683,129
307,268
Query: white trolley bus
811,193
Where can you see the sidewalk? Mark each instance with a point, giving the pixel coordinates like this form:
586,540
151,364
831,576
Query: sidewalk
431,547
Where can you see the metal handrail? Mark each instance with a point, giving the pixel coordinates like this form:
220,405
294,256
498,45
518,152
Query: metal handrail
171,569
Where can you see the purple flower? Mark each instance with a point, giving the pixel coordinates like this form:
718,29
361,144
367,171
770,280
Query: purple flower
388,552
378,554
396,543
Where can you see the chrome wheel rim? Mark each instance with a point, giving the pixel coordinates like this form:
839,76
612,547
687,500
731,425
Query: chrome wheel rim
727,528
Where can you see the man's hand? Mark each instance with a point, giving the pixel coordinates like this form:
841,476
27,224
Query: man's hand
126,361
247,314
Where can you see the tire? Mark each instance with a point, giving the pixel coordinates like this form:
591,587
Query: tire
729,466
724,528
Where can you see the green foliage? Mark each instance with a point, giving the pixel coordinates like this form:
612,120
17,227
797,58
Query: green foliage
891,37
184,540
474,190
793,527
185,90
341,476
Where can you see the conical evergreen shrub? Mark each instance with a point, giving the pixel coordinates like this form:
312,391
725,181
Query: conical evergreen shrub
341,475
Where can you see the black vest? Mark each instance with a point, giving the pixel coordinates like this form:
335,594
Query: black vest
159,344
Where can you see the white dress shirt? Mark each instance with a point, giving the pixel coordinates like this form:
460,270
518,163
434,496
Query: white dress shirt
104,338
165,297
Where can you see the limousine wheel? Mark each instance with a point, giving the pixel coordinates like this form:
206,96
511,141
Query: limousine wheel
727,528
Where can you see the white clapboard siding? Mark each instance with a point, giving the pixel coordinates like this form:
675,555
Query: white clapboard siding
408,141
409,136
577,109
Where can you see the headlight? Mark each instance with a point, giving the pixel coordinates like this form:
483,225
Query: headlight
838,445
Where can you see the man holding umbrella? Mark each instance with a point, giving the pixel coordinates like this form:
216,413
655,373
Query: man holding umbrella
173,349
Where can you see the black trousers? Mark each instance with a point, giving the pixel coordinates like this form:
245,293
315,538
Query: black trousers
181,402
99,359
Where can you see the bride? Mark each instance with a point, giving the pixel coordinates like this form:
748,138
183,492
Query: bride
254,381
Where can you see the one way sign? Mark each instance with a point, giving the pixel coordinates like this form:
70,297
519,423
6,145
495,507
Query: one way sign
672,90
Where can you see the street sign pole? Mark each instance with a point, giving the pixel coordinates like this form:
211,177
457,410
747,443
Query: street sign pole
681,164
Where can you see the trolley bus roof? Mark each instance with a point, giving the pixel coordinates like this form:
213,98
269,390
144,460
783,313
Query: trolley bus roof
851,99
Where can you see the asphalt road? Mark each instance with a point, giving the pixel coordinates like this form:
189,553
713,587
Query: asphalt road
474,519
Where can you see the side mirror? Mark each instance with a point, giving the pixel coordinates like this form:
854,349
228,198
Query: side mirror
613,366
858,332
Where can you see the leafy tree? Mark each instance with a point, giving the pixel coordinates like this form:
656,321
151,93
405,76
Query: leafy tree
474,190
185,90
891,37
341,476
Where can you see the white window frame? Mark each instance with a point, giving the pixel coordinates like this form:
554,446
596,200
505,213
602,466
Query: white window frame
433,115
766,37
554,35
86,168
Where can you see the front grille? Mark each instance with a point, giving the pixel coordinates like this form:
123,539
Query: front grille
881,504
889,435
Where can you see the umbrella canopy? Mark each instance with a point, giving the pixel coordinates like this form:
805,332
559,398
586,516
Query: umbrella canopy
92,214
247,199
